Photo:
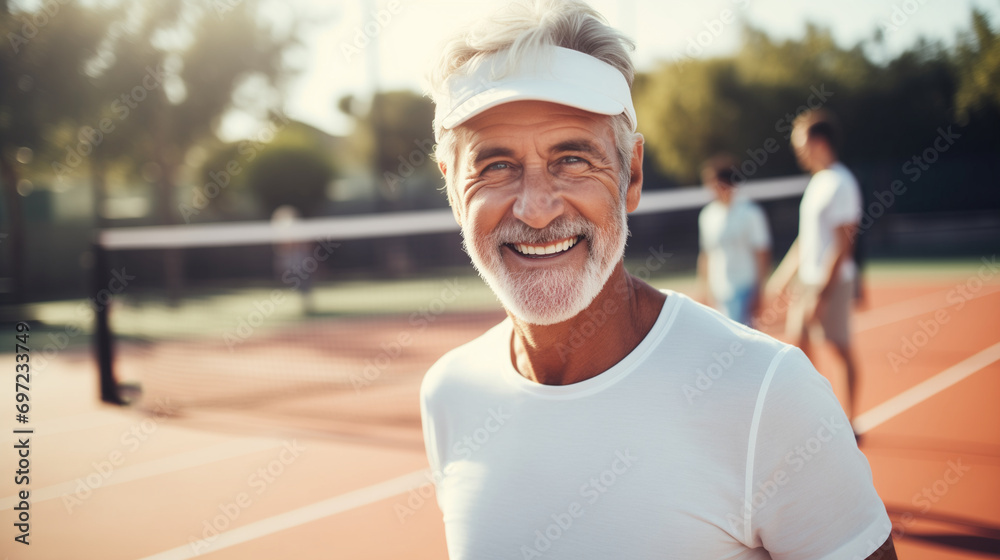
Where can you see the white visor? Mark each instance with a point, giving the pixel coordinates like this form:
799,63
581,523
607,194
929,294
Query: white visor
557,75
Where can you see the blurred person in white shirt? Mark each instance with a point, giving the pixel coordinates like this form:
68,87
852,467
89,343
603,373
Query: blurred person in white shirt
821,258
735,257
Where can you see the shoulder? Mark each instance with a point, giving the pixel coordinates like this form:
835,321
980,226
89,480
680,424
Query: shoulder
754,368
749,207
727,366
465,364
705,334
728,374
839,176
701,321
832,184
753,206
824,178
707,211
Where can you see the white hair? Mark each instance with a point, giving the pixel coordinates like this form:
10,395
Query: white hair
520,28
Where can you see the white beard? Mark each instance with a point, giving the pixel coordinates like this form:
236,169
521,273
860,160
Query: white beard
557,294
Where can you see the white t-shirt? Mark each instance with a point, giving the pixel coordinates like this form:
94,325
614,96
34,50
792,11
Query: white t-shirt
730,235
831,200
709,440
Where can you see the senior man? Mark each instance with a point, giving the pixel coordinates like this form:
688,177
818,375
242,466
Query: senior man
672,432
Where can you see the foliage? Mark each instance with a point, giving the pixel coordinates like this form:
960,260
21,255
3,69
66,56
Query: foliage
290,175
978,63
691,109
137,83
394,133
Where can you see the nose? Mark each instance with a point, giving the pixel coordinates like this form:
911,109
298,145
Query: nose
539,201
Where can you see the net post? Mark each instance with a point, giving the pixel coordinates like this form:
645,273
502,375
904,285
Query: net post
103,347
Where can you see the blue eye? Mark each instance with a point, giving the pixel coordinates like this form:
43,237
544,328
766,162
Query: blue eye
497,167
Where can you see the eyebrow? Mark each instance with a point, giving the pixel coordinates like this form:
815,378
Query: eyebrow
580,145
492,152
575,145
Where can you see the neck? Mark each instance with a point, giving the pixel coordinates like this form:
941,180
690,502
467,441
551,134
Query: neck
594,340
824,163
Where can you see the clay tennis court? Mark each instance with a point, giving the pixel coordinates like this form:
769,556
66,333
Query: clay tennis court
260,481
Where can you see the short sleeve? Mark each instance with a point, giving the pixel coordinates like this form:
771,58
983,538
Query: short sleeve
845,205
810,494
759,235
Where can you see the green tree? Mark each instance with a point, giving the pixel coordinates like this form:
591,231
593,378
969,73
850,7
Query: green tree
978,64
746,102
395,134
167,72
685,113
42,91
173,72
290,175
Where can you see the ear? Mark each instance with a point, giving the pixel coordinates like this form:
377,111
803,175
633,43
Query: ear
447,188
634,190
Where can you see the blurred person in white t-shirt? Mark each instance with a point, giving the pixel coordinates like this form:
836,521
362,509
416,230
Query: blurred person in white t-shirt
821,258
735,256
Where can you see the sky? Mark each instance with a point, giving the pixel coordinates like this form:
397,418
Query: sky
354,46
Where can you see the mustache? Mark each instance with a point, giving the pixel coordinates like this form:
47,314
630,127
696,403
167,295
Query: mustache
515,231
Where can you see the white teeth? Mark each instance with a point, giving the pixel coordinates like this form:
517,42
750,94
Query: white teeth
546,250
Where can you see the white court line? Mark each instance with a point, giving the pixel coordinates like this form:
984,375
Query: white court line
338,504
914,307
925,390
120,475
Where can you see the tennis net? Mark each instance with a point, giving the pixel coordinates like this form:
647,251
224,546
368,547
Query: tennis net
334,317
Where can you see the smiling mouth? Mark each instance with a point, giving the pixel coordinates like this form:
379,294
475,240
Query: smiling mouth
546,250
